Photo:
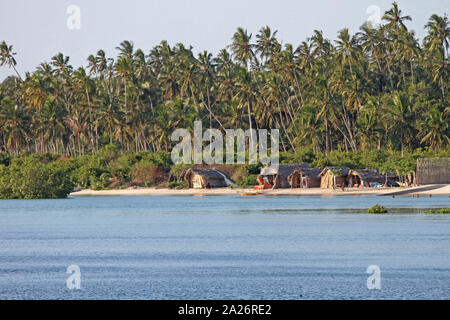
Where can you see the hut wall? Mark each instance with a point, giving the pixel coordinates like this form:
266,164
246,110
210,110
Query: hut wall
328,181
281,182
433,170
196,181
313,183
215,183
294,179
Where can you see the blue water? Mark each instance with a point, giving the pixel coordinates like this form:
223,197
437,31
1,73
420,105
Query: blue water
227,247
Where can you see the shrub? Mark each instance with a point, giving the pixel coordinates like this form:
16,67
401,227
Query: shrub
177,185
144,173
108,152
377,209
88,171
441,211
102,182
4,159
247,181
253,168
177,172
34,180
161,158
121,166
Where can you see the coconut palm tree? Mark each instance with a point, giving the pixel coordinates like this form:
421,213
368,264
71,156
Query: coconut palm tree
241,48
7,57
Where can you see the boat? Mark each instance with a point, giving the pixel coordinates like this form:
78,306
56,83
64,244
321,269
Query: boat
250,192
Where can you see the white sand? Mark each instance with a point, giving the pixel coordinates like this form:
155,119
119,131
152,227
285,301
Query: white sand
445,190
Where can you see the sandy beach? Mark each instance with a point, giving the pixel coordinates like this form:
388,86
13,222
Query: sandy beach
442,190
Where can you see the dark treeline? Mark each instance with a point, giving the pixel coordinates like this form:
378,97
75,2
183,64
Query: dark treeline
378,89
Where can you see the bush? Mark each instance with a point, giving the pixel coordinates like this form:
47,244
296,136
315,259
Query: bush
161,158
146,174
34,180
178,171
177,185
88,171
108,152
247,181
441,211
102,182
121,167
377,209
4,159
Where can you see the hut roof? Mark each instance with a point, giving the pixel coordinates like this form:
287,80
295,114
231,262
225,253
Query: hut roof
207,173
343,170
367,174
312,173
283,170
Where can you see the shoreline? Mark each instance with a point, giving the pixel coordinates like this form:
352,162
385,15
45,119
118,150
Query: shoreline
408,191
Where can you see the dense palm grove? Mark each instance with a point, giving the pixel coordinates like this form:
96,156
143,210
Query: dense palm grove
378,89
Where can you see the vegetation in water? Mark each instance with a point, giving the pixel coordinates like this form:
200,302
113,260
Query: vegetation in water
441,211
377,209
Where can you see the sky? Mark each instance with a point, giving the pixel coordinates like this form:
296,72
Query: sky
39,29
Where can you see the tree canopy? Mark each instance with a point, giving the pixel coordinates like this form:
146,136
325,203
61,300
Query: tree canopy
377,89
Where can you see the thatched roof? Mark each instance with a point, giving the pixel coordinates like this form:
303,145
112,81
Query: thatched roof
367,174
343,170
207,173
282,170
312,173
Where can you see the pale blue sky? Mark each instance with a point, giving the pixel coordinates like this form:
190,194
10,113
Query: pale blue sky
37,28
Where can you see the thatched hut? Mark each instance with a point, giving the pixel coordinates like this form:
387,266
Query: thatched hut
277,176
305,178
365,177
332,177
206,178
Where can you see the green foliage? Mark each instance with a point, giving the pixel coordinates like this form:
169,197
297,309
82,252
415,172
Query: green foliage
34,180
4,159
108,152
145,173
88,171
253,168
377,209
161,159
177,185
177,171
303,154
248,181
362,92
439,211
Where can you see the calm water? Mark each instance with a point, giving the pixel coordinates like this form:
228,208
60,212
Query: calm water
229,247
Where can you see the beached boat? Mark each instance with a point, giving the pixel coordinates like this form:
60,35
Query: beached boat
250,192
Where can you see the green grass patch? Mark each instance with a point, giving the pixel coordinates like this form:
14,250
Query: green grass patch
439,211
377,209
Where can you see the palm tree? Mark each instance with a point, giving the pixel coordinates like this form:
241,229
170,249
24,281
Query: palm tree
401,118
438,37
13,124
266,42
241,47
436,130
394,18
437,43
84,85
7,57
